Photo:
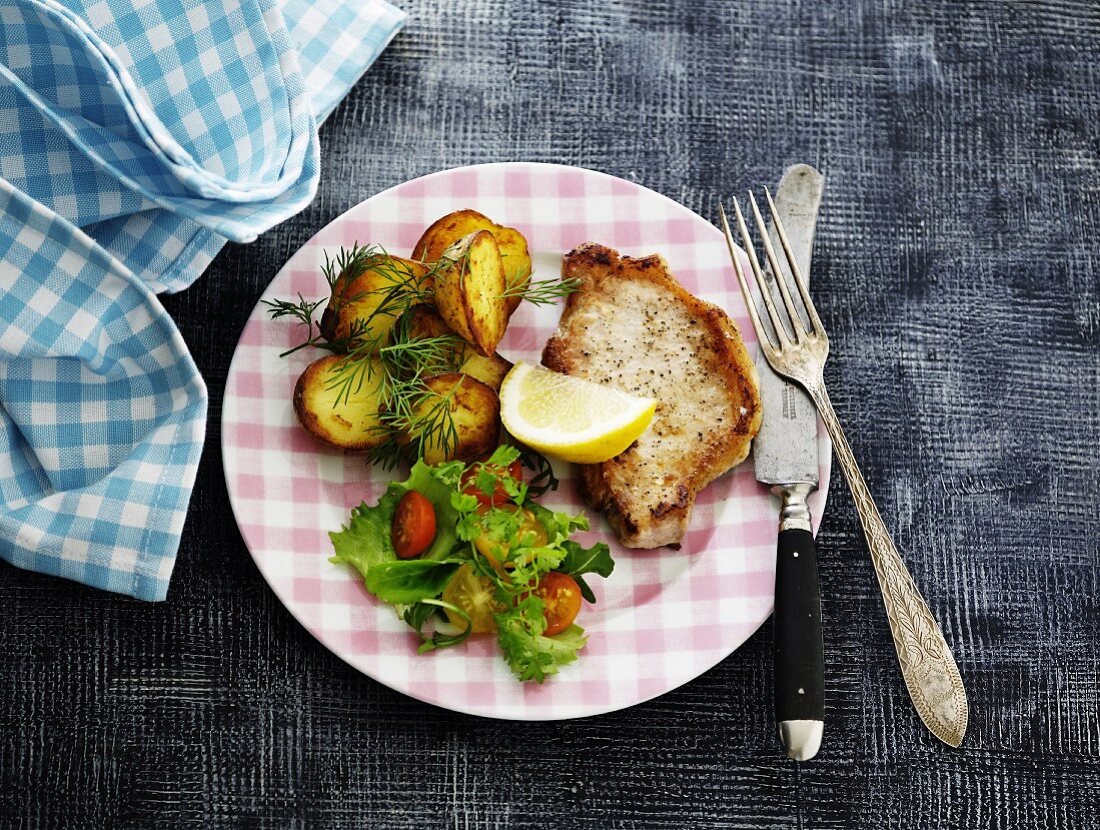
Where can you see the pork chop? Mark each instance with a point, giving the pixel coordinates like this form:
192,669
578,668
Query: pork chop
632,326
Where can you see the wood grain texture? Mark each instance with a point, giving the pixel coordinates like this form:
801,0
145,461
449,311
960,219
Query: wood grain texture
958,273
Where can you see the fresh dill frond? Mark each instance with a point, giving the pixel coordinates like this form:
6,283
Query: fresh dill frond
429,355
303,312
423,416
346,261
428,420
389,453
542,292
397,287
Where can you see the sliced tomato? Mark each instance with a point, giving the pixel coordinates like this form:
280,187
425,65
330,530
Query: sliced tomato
476,596
561,601
499,495
413,525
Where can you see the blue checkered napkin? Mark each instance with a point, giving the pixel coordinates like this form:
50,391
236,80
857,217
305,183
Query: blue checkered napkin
198,106
116,118
103,412
336,40
160,128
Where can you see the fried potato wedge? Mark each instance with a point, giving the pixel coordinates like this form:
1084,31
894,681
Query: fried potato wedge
489,370
363,293
349,425
444,232
424,321
474,412
469,291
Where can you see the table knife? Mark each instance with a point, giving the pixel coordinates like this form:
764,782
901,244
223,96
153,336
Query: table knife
785,455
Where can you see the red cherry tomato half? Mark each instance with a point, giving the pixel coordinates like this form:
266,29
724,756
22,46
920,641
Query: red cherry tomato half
413,525
561,601
499,495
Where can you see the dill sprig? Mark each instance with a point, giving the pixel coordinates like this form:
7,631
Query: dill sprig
351,261
428,355
427,417
380,348
541,292
302,311
421,415
397,352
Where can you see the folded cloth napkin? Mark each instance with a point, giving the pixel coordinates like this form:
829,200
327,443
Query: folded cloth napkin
136,137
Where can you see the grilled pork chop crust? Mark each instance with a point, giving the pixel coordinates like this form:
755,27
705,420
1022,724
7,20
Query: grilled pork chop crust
632,326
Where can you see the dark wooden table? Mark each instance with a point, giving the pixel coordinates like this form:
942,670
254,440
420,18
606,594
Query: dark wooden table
957,272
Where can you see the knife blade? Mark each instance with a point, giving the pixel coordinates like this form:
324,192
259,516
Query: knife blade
785,458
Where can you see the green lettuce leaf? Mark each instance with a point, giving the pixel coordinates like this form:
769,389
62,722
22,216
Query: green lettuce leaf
529,654
408,581
366,540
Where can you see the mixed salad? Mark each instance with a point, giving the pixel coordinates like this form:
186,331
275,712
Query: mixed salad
464,549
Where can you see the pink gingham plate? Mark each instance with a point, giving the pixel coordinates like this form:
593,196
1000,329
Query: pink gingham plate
661,619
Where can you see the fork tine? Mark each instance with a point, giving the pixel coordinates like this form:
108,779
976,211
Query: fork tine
797,327
815,321
765,294
750,303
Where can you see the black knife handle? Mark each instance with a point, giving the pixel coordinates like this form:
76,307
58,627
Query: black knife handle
799,652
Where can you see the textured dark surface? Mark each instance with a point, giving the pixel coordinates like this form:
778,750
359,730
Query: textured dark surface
958,274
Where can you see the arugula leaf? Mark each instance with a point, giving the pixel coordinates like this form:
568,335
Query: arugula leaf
530,655
417,614
542,478
578,561
408,581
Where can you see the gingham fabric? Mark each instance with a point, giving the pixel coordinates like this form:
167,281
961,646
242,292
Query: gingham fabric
103,410
663,617
136,137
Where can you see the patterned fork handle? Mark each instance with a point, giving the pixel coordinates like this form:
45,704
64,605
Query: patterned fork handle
926,661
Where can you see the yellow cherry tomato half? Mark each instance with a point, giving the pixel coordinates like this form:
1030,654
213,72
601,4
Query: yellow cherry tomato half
476,596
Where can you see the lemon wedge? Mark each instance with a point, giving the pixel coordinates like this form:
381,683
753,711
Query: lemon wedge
571,418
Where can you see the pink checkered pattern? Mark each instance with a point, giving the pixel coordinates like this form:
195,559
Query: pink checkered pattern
663,617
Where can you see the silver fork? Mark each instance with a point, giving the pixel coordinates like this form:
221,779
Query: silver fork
926,663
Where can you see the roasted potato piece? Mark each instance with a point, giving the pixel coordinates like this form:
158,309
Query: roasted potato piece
424,321
475,413
350,425
513,247
469,289
358,295
489,370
